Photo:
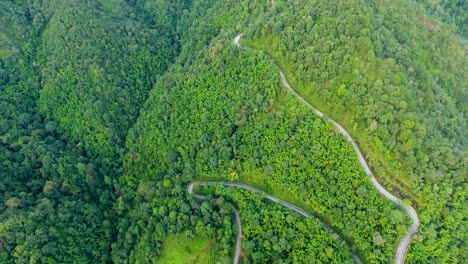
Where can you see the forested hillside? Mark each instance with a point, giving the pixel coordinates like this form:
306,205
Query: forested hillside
109,109
255,135
99,61
273,232
450,11
54,202
397,81
73,77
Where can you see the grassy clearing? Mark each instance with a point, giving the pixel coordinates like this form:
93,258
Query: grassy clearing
177,249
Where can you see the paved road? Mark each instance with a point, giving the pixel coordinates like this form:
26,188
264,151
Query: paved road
239,236
238,222
404,243
269,197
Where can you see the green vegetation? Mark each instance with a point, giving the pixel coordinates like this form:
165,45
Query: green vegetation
97,69
178,249
54,203
405,107
109,109
241,129
450,11
275,232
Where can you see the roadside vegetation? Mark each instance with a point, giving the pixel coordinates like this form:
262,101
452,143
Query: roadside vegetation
399,95
109,109
180,249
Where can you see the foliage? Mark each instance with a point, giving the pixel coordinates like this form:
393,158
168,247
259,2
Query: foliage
247,124
397,81
271,232
454,12
97,69
54,201
183,249
109,109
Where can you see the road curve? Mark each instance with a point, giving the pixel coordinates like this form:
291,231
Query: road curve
238,222
404,243
269,197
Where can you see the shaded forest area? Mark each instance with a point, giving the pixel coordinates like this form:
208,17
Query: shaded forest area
110,108
73,75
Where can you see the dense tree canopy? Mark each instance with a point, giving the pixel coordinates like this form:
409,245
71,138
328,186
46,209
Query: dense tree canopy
397,80
109,109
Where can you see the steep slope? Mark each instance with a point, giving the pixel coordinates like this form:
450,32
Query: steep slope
109,109
396,80
450,11
73,75
222,114
99,61
54,203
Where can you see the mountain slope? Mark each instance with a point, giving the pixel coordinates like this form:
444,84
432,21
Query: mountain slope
396,80
109,109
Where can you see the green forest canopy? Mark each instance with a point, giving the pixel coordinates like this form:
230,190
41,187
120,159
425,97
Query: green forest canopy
109,109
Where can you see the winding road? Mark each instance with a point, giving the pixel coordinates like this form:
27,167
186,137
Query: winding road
404,243
269,197
238,221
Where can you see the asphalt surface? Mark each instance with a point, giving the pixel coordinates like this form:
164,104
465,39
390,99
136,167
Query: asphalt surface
404,243
269,197
238,222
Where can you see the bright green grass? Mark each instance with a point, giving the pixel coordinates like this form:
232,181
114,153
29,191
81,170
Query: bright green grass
177,249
